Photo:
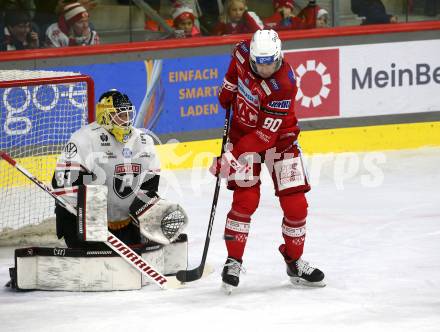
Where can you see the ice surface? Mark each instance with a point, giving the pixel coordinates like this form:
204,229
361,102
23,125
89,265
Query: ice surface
373,228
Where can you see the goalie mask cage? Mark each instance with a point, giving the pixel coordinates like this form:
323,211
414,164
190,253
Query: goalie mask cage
39,111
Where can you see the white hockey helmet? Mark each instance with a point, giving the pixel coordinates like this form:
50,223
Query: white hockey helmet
265,48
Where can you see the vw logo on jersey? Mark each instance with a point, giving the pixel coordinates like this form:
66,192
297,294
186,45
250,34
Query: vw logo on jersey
127,153
126,179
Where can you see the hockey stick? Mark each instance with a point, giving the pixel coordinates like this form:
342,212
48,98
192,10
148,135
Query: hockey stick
112,241
196,273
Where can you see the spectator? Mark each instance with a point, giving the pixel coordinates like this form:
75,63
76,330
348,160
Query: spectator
209,13
373,10
23,5
72,29
17,5
18,32
45,13
284,16
155,4
237,19
48,11
309,14
322,19
183,21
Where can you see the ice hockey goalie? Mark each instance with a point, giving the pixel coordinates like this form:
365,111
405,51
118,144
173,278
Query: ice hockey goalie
110,171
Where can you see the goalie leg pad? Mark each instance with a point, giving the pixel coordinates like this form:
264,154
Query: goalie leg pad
167,259
65,269
159,220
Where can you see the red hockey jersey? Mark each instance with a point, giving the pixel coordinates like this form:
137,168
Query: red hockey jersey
263,109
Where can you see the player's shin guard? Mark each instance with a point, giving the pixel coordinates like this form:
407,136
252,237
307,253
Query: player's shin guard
236,233
294,233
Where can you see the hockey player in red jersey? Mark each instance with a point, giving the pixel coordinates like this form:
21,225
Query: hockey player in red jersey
260,87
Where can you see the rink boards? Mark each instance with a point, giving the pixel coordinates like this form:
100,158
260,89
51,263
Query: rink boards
356,139
198,154
351,97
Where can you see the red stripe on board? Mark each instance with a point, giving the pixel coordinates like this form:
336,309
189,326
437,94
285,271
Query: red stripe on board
75,51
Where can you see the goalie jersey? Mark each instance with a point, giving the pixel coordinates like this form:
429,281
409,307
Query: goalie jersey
94,156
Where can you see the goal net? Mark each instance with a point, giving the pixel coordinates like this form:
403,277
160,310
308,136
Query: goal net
39,111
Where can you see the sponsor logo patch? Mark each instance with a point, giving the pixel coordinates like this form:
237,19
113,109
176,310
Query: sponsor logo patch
244,48
266,88
280,104
265,59
274,84
239,57
246,93
70,150
126,179
127,153
104,140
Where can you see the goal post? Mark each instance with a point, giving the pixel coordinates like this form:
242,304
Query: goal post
39,111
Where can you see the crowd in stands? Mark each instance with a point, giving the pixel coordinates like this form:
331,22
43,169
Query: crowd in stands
31,24
372,12
40,24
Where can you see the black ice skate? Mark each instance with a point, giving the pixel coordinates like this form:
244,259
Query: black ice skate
231,274
301,273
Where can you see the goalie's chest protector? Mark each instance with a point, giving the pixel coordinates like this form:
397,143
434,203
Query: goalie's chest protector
122,167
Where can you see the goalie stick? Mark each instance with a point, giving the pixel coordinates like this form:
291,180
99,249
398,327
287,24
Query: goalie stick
113,242
196,273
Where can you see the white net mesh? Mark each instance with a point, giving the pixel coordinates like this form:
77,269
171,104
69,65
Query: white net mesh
36,121
16,75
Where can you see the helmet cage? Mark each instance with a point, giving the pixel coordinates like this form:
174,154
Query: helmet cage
123,117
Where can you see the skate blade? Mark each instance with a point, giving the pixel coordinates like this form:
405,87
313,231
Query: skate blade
227,289
299,282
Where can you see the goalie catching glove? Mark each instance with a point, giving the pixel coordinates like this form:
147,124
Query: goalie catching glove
158,219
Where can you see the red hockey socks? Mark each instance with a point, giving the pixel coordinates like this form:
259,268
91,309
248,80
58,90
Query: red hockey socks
294,233
236,233
294,223
244,204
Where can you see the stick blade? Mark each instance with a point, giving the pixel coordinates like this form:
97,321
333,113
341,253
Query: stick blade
194,274
189,275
